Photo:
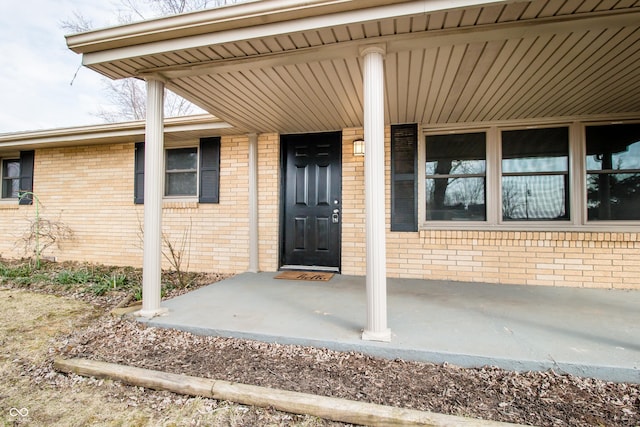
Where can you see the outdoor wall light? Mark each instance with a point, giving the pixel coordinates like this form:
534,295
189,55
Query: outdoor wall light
358,147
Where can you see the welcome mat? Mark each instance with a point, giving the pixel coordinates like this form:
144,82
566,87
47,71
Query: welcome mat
312,276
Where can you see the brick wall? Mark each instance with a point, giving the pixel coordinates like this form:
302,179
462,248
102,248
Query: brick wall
268,201
14,221
353,214
90,188
576,259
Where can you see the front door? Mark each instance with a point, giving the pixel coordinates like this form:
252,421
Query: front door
312,187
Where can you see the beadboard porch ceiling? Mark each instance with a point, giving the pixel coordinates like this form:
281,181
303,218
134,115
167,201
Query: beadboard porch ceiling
446,62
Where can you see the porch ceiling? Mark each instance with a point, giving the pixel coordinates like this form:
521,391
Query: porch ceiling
476,63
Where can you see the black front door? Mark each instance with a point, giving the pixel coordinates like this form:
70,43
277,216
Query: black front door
312,186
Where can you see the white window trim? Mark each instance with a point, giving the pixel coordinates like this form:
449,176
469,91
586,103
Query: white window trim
181,198
493,183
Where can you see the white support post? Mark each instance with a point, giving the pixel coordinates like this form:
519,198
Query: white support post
153,190
254,263
376,279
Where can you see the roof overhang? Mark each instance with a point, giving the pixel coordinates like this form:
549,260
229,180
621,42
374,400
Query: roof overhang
294,66
176,129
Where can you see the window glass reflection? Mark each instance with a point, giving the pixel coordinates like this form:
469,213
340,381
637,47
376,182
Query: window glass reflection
182,159
535,174
536,197
455,177
613,172
456,199
535,150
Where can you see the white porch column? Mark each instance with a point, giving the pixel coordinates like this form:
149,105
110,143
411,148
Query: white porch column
253,204
376,329
153,190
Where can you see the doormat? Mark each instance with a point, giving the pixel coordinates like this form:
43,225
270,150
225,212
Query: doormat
312,276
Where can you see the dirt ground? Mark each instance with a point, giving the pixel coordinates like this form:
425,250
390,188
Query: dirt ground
36,328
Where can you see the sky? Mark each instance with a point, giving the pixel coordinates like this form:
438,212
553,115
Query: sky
37,69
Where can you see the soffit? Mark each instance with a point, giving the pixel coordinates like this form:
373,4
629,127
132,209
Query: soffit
492,62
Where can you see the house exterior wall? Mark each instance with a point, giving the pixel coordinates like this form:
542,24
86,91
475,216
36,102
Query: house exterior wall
90,189
549,258
268,201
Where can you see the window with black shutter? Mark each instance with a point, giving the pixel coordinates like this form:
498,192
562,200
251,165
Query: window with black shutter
404,167
181,175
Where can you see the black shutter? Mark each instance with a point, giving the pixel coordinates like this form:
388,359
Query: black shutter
404,167
209,170
138,177
26,176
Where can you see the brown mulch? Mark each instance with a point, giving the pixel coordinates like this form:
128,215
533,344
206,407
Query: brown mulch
545,399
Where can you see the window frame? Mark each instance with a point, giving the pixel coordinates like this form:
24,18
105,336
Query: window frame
608,223
425,177
3,178
568,177
195,196
422,184
577,175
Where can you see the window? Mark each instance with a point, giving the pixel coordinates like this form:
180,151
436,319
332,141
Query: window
10,178
17,177
181,172
534,178
535,174
189,172
613,172
455,177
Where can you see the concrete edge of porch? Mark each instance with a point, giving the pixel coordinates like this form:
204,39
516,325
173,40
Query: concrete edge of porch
607,373
583,332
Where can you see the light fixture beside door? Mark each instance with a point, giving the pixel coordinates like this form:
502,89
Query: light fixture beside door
358,147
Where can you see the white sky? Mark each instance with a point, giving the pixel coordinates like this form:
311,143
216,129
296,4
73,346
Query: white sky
36,67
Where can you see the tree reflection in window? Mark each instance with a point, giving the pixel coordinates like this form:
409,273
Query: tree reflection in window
613,172
535,174
455,177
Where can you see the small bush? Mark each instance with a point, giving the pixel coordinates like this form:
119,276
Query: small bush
99,289
22,282
72,277
11,272
118,280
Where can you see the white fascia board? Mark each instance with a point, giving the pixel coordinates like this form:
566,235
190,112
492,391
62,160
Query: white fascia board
58,138
246,14
108,133
287,27
242,15
410,41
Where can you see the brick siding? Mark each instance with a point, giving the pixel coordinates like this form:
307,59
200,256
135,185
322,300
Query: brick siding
90,189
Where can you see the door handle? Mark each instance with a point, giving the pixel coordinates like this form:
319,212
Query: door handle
335,217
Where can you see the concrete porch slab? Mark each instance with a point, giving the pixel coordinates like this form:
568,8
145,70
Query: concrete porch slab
586,332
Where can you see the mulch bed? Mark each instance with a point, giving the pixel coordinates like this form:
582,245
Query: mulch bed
545,399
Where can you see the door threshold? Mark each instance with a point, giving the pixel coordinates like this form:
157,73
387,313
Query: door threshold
310,268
